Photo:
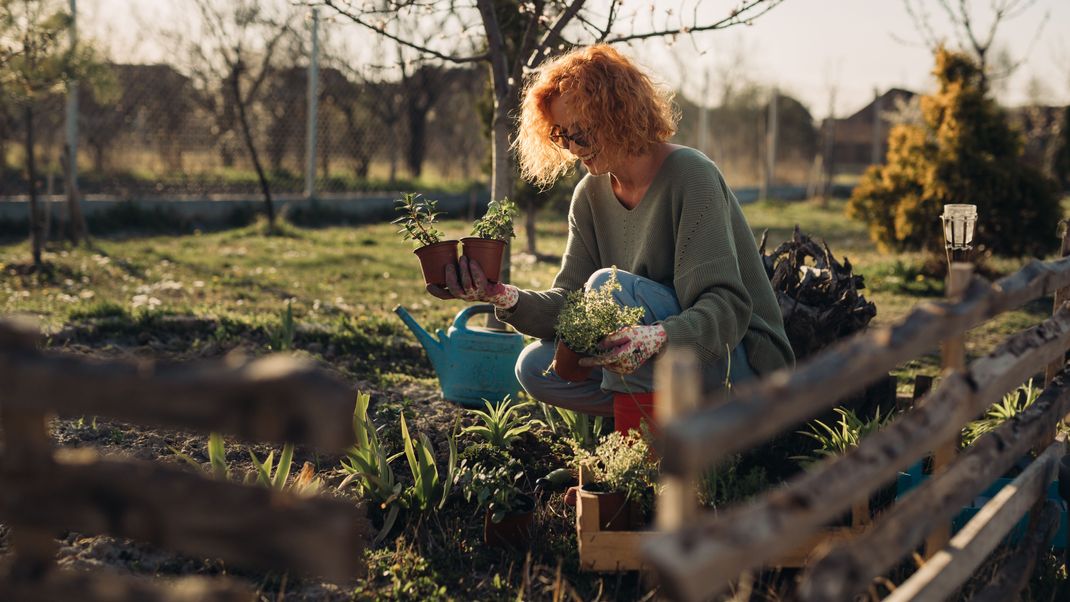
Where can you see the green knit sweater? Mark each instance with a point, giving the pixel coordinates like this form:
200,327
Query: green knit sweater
688,233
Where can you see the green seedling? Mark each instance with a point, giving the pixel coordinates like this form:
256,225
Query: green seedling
417,219
502,422
270,475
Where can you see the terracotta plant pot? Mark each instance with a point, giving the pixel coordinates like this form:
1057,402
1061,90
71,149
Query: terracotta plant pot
514,530
434,259
615,510
566,364
487,252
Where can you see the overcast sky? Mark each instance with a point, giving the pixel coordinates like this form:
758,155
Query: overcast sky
806,47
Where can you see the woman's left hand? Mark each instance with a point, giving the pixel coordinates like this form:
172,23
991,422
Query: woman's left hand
628,348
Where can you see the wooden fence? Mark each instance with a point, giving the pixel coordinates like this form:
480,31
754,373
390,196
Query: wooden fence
700,554
45,492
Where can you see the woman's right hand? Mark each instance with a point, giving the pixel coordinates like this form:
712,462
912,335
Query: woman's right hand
472,285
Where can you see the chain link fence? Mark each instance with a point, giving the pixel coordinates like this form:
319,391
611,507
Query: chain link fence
189,125
207,85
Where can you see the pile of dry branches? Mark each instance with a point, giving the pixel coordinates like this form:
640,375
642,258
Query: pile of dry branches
820,299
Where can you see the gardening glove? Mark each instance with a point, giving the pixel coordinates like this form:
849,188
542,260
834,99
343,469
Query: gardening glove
628,348
474,286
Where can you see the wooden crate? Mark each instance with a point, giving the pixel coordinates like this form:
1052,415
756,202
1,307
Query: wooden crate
610,551
678,502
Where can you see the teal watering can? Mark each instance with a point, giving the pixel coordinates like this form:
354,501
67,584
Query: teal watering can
472,364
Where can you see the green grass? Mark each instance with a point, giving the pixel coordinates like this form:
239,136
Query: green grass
345,282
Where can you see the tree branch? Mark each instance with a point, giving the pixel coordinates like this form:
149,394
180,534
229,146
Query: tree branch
553,35
737,17
496,48
334,5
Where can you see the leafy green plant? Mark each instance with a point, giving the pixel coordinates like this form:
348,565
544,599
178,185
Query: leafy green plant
581,429
271,475
428,491
1011,405
417,218
588,316
497,222
368,464
848,431
502,422
282,338
623,463
492,483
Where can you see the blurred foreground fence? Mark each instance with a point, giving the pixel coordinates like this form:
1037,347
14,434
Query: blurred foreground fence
698,555
46,492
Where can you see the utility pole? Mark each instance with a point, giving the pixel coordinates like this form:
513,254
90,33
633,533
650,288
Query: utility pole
78,230
703,116
770,147
313,109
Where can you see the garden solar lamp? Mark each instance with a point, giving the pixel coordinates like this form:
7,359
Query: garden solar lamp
960,221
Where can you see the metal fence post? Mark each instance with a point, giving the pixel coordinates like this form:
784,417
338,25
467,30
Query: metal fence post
313,109
76,221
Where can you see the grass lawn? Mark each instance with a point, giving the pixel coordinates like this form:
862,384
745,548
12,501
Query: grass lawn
200,296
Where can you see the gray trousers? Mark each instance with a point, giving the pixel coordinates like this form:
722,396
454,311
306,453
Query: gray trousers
595,395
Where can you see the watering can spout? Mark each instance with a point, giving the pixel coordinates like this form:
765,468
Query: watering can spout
436,350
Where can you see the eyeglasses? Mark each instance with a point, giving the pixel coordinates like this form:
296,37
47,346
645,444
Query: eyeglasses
560,137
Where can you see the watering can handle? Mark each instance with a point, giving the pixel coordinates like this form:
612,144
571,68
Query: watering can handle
461,321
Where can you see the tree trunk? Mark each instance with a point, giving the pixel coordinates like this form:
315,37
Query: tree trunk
417,140
501,184
36,230
269,207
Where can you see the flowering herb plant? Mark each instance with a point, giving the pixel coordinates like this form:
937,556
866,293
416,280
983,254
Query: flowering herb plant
622,463
588,316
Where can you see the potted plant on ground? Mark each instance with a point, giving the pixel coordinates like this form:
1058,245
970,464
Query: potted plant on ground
491,233
588,316
625,475
491,478
417,221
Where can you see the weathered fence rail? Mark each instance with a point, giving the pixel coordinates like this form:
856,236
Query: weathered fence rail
700,554
45,492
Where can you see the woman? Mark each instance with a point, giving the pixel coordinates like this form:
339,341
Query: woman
659,212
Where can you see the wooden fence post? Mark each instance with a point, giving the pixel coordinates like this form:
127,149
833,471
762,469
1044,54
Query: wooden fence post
678,379
952,358
27,450
1060,298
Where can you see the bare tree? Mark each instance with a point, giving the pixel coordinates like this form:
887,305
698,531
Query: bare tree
511,36
35,64
240,46
969,34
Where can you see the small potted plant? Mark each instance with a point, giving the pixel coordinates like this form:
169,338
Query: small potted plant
588,316
625,475
417,224
491,233
493,485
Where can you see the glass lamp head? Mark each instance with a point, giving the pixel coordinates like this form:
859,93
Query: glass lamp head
960,221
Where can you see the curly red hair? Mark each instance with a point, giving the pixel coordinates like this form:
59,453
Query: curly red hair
618,106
